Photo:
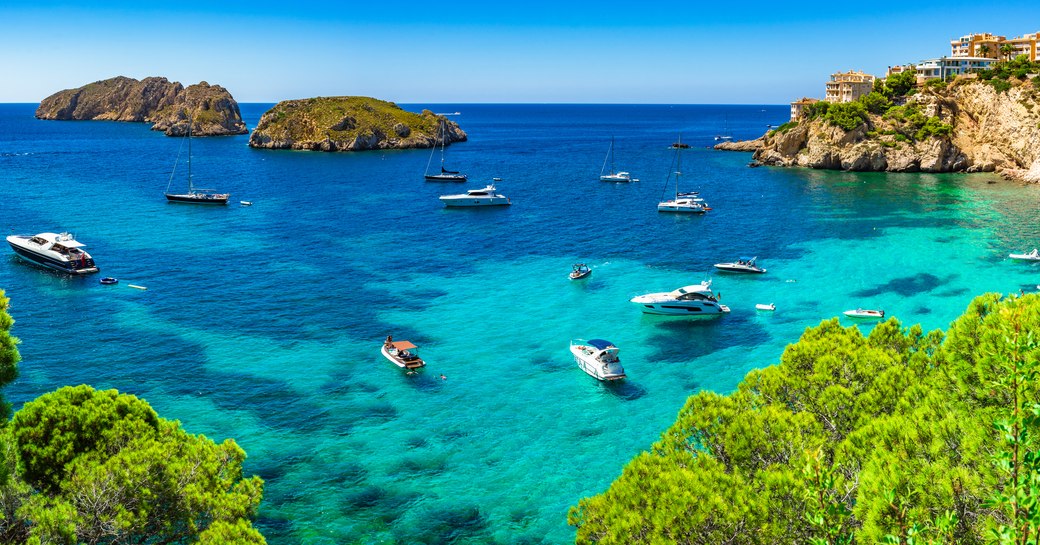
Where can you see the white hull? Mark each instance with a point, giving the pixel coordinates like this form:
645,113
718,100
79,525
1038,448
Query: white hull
59,252
596,369
761,306
619,177
464,200
865,314
681,208
694,301
682,308
1031,256
403,364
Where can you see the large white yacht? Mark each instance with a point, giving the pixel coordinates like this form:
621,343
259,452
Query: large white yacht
598,358
693,300
57,251
476,197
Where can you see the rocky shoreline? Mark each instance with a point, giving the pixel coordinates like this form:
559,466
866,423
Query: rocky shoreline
167,105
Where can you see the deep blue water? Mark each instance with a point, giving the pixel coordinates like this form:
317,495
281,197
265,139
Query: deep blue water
264,323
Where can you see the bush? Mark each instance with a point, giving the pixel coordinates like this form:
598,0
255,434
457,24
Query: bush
933,126
1001,85
900,137
786,126
848,116
900,84
875,102
817,109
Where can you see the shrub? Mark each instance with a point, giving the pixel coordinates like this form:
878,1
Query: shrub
875,102
901,138
817,109
1001,85
848,115
786,126
933,126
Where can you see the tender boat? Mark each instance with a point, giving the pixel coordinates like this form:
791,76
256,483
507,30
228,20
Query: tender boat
598,358
741,266
403,354
108,280
865,314
580,271
476,197
762,306
1031,256
693,300
57,251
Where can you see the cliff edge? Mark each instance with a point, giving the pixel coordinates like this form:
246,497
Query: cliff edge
967,125
167,105
350,123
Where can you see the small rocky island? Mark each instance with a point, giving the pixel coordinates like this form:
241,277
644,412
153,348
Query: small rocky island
350,123
967,125
167,105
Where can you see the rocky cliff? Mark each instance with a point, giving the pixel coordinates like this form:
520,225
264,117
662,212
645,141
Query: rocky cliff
167,105
350,124
967,126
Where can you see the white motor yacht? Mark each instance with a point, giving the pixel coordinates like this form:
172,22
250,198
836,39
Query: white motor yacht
476,197
693,300
741,266
58,251
864,314
403,354
1031,256
598,358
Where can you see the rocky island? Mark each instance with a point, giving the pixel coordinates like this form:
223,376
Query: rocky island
167,105
984,122
350,123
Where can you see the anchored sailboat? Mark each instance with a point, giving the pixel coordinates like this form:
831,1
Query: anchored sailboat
194,195
687,203
613,176
445,175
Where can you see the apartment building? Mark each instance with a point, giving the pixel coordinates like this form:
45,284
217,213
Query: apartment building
848,86
798,107
947,67
988,45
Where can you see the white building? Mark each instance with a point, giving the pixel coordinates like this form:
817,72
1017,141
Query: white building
945,67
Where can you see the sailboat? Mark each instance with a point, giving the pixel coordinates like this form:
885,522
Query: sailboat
445,175
685,203
725,131
194,195
614,175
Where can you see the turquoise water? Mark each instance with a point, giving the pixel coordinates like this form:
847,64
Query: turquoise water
264,323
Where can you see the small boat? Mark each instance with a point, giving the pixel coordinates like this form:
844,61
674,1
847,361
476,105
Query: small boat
476,197
444,175
598,358
108,280
246,203
580,271
613,175
194,195
56,251
762,306
1031,256
741,266
693,300
403,354
136,287
865,314
683,203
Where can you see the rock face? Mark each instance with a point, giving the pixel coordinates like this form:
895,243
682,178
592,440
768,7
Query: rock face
167,105
741,145
350,124
992,131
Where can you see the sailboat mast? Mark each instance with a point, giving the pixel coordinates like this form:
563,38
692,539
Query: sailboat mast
678,165
612,171
191,188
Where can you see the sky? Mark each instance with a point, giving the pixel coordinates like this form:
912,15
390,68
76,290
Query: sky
690,52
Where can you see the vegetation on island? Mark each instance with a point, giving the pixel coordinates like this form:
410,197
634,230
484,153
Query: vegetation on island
899,437
81,465
350,123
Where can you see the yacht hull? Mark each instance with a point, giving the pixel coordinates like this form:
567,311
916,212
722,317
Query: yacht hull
739,269
679,209
680,309
403,364
593,368
472,202
446,177
197,198
47,262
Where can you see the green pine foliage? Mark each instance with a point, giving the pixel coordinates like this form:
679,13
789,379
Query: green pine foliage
847,115
898,437
9,356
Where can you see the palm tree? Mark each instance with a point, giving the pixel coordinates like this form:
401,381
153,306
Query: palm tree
1007,50
984,50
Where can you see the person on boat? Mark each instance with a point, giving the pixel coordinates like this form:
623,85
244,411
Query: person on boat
389,341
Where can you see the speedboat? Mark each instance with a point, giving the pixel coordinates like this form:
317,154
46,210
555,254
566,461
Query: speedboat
57,251
1031,256
598,358
403,354
763,306
476,197
741,266
693,300
580,271
865,314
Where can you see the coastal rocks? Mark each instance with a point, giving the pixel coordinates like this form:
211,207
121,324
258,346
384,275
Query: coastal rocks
167,105
350,124
740,145
992,131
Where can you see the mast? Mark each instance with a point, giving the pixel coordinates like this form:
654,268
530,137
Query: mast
612,170
191,188
442,146
678,165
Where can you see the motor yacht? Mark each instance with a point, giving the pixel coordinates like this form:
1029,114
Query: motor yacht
865,314
693,300
741,266
57,251
476,197
580,270
403,354
1031,256
598,358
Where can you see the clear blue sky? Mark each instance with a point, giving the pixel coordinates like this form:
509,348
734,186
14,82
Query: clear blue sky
746,52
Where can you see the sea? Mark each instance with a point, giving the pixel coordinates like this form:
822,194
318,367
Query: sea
264,323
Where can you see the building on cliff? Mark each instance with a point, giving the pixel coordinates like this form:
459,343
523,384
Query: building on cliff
988,45
946,67
798,107
848,86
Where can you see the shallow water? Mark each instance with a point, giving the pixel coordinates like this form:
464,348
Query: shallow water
263,323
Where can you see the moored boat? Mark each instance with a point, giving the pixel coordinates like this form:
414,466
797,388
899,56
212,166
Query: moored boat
693,300
194,195
580,270
403,354
741,266
56,251
864,314
763,306
476,197
1031,256
613,175
683,203
598,358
